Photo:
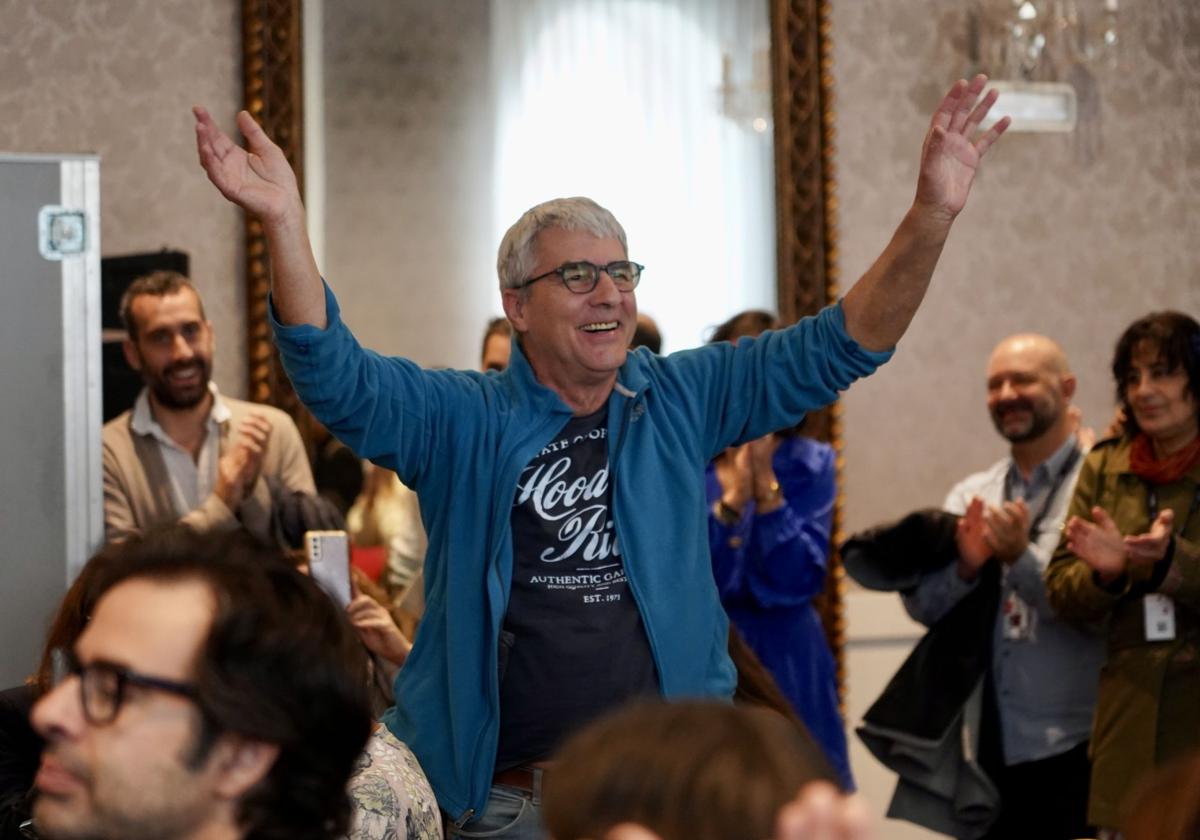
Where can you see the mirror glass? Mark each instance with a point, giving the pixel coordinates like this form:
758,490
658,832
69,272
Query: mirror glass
432,126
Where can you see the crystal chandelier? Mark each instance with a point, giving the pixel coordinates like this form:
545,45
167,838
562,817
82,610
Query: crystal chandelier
1044,56
1041,40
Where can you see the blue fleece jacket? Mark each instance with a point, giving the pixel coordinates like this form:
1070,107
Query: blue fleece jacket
461,439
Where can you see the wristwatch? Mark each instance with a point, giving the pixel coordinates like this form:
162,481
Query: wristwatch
776,492
726,515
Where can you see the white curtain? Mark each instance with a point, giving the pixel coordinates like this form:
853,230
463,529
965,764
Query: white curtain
620,100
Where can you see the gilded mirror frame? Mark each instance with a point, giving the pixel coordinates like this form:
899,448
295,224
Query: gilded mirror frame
806,205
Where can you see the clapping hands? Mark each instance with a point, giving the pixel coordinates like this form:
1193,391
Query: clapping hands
1101,545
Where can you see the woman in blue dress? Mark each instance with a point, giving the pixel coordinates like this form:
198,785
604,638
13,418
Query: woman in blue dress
770,513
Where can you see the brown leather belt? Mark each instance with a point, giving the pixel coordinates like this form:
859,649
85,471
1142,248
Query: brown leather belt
524,777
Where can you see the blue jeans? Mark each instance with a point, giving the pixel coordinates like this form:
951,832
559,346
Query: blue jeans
510,814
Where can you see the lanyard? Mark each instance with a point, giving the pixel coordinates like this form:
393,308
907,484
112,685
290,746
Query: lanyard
1055,487
1152,505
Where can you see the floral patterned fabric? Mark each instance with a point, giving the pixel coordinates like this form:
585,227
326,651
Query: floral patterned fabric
391,797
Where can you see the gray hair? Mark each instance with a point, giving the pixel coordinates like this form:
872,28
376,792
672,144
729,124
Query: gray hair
517,256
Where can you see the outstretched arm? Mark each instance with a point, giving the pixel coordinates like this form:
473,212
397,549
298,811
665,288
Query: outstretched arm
260,181
882,303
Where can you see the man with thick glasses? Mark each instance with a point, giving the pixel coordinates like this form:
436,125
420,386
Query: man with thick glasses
568,568
211,686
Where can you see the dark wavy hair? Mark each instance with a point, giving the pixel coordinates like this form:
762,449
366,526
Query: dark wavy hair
281,664
686,771
155,284
1177,338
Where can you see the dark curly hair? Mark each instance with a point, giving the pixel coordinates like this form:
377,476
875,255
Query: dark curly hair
281,664
1177,338
154,284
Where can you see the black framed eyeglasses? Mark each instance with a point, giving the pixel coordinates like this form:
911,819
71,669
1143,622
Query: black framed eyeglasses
102,685
581,277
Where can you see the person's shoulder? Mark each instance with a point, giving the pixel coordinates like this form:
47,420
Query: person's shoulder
1110,454
117,428
1110,443
986,477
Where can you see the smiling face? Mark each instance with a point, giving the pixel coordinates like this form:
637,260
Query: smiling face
574,342
130,778
1161,400
171,348
1028,390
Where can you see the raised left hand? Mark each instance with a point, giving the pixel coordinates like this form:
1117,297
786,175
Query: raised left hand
951,153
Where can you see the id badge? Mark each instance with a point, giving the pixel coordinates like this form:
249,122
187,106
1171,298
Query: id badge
1018,618
1159,613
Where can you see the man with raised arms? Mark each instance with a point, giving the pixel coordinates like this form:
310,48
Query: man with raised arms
583,459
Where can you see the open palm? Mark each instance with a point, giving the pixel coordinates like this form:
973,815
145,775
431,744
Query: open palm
257,178
951,154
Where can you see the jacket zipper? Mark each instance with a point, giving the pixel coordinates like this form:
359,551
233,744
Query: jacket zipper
614,457
494,664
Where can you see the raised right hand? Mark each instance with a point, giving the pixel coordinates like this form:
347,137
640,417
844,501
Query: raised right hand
258,179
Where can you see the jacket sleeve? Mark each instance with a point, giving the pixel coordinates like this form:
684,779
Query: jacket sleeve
384,409
760,385
938,591
726,543
119,521
1182,574
1070,587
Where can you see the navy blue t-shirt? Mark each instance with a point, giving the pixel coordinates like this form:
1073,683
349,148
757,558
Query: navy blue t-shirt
572,644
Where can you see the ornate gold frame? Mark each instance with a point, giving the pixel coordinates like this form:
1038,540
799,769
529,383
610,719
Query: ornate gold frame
806,224
805,203
272,60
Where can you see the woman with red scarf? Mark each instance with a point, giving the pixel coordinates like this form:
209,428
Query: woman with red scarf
1130,559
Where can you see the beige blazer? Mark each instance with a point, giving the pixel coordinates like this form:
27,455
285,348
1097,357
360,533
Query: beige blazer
137,493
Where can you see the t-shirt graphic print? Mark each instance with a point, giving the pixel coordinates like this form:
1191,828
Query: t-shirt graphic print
573,645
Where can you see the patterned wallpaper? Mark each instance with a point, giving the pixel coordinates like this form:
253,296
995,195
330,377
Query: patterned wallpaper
118,78
408,170
1071,235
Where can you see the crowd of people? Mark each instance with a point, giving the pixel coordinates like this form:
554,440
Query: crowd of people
590,549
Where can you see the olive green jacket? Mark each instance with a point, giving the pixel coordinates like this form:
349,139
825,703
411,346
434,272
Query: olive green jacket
1148,704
